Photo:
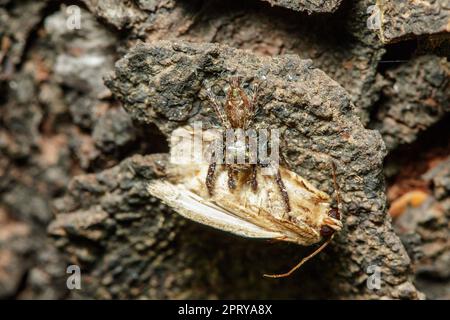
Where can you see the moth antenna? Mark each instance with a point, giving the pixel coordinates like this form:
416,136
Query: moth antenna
336,186
287,274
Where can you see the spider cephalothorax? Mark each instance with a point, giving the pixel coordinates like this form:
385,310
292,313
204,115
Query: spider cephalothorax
237,114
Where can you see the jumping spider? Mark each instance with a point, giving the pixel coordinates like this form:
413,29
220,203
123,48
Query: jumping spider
238,112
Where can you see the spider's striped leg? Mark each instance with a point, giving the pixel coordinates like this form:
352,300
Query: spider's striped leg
211,177
281,187
283,191
253,181
231,177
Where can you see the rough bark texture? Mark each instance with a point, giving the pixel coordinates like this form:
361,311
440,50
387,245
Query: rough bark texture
340,44
14,29
424,231
309,6
75,157
403,19
415,96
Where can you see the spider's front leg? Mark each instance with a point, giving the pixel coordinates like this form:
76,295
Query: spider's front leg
279,180
281,188
283,191
252,180
211,174
231,178
211,177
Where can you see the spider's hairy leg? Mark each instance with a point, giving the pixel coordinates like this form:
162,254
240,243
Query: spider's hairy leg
217,109
253,104
211,177
255,95
283,159
283,191
214,161
231,178
253,181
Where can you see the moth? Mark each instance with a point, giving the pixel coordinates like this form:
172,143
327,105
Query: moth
237,198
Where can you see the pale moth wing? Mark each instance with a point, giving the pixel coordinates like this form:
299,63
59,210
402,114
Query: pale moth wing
193,207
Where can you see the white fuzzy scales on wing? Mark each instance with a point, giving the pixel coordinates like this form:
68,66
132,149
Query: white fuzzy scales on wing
193,207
